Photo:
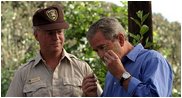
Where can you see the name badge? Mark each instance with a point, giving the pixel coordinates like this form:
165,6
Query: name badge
33,80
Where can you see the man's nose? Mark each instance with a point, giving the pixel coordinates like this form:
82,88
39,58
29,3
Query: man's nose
55,36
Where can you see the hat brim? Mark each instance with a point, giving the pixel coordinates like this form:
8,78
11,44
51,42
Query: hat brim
63,25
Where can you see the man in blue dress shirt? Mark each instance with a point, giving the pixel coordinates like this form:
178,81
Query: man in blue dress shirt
132,70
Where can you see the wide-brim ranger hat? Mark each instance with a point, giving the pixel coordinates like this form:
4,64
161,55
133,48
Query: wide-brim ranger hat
50,18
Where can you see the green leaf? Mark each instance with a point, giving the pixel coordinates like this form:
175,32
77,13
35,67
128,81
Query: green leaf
136,21
134,42
132,35
138,37
149,44
144,29
147,40
140,14
144,18
141,38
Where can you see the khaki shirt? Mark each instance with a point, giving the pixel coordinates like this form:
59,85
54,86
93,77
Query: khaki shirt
34,79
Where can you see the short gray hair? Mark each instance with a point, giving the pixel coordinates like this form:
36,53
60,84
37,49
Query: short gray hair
110,27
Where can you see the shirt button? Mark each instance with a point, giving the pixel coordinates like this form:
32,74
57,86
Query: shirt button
114,83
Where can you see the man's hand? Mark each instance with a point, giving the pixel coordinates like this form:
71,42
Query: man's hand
89,86
114,64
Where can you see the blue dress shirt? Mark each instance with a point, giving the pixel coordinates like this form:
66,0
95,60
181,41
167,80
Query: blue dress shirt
151,75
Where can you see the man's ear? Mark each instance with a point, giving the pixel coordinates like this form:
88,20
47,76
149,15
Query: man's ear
121,39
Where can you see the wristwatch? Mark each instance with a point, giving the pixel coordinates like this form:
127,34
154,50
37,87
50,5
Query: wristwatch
124,77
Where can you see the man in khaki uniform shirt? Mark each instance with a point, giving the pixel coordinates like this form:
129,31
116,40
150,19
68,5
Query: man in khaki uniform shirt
53,72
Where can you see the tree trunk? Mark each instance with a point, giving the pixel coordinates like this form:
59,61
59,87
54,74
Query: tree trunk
133,7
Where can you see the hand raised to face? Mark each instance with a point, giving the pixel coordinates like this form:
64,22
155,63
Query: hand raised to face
114,64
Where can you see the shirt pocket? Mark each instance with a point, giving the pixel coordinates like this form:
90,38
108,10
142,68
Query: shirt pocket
72,87
37,89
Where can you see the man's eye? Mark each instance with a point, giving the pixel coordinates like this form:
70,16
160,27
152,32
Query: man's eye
104,47
59,32
95,50
49,33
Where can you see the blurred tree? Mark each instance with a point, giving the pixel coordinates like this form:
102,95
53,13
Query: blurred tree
145,8
168,38
18,44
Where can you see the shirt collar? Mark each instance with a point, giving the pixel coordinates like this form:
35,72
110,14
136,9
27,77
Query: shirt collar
65,54
38,58
132,55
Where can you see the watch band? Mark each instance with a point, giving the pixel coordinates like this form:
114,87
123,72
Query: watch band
125,76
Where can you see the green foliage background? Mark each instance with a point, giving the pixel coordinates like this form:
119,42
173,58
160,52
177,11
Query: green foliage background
18,44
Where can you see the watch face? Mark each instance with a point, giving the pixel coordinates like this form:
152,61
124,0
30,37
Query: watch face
126,75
